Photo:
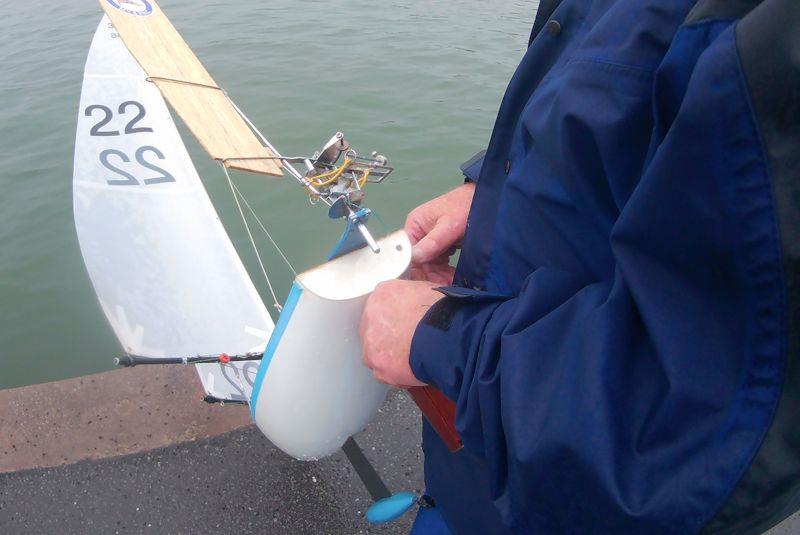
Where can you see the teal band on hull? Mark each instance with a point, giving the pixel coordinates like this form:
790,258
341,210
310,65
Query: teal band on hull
274,340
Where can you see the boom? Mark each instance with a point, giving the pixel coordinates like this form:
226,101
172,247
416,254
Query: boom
186,85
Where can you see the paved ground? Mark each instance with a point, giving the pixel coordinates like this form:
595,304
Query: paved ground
234,483
106,415
790,526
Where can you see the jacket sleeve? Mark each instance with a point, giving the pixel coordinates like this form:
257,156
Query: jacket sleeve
635,403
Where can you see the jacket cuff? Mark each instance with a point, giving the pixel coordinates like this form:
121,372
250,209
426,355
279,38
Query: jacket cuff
448,335
432,356
472,167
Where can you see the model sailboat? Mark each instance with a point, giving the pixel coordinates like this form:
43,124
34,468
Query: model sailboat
166,274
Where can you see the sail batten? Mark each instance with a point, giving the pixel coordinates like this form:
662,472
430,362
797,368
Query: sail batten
187,86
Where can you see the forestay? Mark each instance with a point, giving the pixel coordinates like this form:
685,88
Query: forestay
166,274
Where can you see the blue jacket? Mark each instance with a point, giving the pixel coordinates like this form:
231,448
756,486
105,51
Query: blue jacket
621,338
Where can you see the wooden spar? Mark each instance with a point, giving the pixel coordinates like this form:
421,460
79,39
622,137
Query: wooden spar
186,85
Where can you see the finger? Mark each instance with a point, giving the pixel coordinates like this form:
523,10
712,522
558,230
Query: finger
380,378
417,274
443,275
363,325
443,258
416,225
435,273
368,355
436,262
442,237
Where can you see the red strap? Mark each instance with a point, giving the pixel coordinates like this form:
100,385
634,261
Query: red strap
440,413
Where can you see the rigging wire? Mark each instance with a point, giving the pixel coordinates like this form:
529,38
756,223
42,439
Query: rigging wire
239,379
276,304
310,185
263,228
154,79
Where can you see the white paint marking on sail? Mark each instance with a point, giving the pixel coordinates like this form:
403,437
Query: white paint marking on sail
261,334
132,335
167,276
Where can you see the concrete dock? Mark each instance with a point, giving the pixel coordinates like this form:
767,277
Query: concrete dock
137,451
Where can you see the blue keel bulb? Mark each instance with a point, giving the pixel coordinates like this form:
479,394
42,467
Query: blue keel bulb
390,508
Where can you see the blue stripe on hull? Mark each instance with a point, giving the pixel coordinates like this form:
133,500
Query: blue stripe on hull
274,340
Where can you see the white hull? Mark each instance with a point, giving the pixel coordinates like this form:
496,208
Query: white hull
312,390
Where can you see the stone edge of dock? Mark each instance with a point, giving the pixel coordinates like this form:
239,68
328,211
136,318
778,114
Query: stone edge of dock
107,414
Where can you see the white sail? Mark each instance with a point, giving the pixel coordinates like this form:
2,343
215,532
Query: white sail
166,274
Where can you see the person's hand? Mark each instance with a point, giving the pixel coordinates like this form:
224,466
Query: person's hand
436,229
388,323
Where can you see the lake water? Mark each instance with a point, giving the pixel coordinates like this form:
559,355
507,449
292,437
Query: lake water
419,81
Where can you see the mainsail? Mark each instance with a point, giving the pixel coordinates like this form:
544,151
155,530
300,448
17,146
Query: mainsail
172,66
166,274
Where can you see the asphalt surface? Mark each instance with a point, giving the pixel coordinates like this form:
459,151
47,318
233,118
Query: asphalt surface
233,483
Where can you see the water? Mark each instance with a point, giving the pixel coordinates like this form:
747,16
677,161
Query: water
419,81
